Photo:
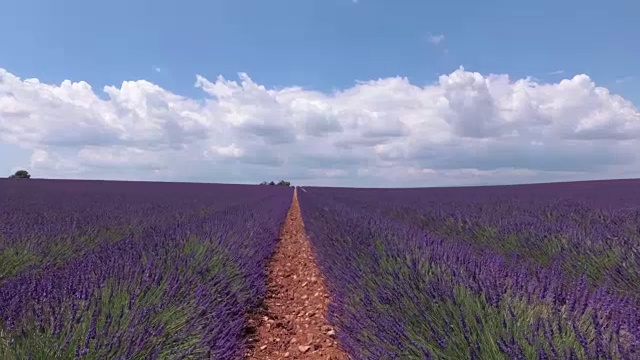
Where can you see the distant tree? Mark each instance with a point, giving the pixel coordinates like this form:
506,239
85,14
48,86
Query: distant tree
21,174
280,183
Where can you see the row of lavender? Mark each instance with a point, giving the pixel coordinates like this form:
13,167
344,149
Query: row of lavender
119,270
519,272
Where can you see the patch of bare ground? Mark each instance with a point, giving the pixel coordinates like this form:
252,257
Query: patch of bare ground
292,322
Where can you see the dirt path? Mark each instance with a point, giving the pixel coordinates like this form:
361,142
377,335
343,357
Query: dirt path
292,324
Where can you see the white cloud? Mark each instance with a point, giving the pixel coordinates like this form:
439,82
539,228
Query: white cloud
231,151
557,72
435,38
466,128
624,79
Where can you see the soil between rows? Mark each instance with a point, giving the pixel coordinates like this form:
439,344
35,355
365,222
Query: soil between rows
292,322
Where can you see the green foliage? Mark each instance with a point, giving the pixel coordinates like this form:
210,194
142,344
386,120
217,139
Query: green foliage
279,183
19,256
15,258
462,324
21,174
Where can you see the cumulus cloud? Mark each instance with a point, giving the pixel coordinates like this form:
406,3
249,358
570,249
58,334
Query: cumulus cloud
466,128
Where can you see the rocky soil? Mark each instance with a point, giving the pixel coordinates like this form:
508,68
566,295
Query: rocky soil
292,322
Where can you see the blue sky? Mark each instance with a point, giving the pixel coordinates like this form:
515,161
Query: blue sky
316,45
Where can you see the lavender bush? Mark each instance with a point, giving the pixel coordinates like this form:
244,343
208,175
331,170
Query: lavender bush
515,272
122,270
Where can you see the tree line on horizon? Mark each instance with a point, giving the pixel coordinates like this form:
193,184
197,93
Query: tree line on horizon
279,183
24,174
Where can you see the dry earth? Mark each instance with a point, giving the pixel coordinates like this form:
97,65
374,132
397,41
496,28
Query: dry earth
292,322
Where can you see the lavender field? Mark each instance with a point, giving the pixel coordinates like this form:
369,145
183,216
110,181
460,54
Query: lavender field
129,270
126,270
513,272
